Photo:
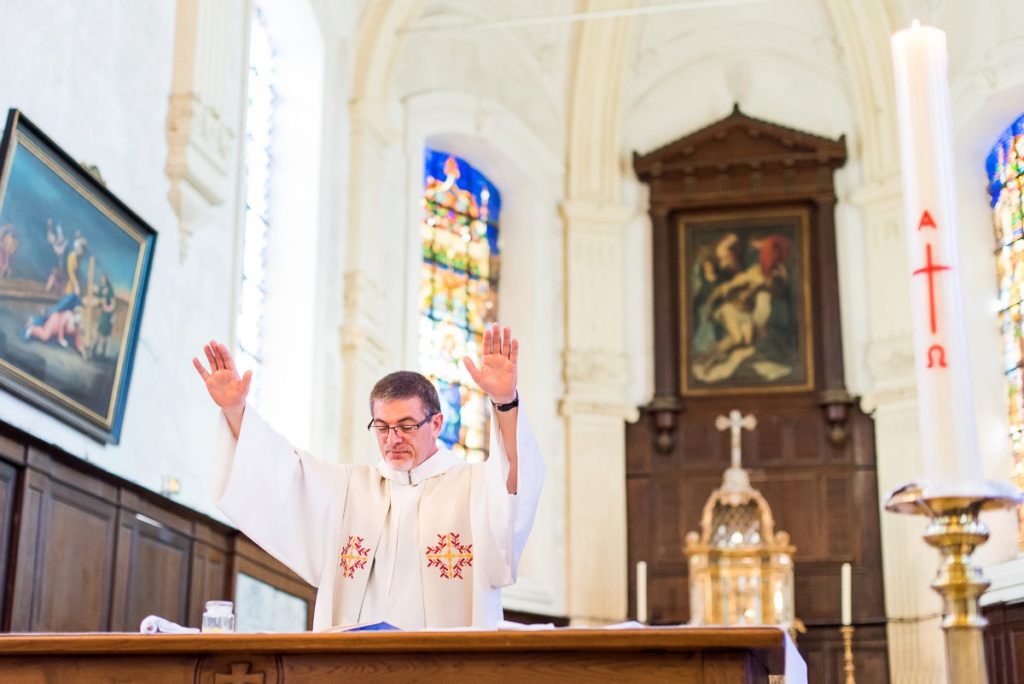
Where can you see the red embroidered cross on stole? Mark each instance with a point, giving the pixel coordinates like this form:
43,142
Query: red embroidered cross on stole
353,556
449,556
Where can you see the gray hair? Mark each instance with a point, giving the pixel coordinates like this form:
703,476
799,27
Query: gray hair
406,385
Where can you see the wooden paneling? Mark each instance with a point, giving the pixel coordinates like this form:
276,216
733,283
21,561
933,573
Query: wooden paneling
1004,643
153,563
85,550
8,498
64,571
822,648
211,579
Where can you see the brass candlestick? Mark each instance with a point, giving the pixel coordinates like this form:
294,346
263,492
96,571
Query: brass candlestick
956,530
847,632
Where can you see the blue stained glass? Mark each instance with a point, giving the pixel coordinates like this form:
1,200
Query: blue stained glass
486,203
1005,168
451,409
458,291
1006,160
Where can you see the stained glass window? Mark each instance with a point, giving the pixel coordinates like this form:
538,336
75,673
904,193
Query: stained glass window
458,292
1005,167
259,128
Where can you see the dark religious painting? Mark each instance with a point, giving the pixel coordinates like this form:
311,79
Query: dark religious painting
746,300
74,263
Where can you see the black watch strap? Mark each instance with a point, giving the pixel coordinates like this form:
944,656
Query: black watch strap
509,406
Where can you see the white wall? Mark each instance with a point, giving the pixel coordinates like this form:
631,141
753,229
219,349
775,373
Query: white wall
96,78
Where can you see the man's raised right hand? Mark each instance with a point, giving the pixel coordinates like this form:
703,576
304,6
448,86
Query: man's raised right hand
227,389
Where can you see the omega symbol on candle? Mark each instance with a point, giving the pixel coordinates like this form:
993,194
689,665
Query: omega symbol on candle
936,353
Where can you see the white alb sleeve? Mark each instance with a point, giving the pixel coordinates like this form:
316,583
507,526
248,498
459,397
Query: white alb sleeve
283,499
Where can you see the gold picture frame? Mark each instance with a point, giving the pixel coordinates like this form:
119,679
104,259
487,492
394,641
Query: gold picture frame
74,269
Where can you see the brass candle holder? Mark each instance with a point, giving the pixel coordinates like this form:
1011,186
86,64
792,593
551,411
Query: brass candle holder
956,530
847,632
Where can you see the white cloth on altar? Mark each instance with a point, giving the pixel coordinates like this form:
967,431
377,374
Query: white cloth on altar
796,666
291,504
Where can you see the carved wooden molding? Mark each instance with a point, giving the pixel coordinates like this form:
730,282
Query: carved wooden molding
742,159
239,668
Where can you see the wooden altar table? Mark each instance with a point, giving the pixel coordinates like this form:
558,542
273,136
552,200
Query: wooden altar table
700,655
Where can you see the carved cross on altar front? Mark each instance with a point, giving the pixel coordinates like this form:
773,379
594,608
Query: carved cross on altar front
736,423
240,674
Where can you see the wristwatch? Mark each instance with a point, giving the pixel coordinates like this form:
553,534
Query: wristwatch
509,406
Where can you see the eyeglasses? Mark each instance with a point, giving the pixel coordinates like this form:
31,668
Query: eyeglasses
382,429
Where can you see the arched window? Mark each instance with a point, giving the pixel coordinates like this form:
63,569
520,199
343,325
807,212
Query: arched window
259,126
1006,180
458,292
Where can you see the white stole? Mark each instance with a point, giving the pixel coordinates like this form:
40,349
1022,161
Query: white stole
444,539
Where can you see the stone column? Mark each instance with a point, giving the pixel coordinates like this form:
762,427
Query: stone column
365,350
595,412
594,406
205,115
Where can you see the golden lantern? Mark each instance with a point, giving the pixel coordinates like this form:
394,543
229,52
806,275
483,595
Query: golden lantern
741,569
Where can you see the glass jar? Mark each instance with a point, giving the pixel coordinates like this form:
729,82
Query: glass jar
218,617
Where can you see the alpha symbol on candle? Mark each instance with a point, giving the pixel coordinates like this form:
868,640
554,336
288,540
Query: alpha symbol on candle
926,221
936,350
931,269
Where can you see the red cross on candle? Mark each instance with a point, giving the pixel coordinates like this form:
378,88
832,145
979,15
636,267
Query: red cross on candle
930,269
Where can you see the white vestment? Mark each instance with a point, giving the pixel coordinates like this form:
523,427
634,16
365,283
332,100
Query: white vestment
431,547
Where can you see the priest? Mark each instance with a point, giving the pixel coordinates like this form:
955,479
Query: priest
419,540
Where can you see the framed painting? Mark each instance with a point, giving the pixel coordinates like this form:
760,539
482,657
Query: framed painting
74,264
746,300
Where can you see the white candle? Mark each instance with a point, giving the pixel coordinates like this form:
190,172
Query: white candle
945,406
847,607
641,592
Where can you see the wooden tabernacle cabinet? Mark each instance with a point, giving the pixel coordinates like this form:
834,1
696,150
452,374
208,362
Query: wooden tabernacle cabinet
82,550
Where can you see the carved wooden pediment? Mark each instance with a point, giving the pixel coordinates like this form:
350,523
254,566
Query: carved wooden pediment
743,155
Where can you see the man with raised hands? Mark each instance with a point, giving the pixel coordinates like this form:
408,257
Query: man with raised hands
419,540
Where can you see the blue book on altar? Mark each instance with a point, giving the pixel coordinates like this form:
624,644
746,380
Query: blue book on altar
374,627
